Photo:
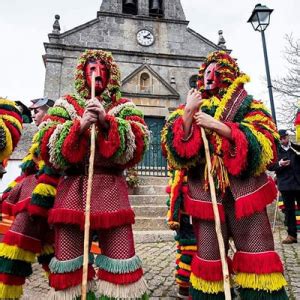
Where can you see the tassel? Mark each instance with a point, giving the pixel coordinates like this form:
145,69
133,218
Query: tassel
209,287
250,294
14,252
10,291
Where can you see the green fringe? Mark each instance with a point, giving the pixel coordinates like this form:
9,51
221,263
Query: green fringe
59,112
182,278
130,111
15,267
250,294
144,297
187,259
243,110
185,242
43,201
118,266
67,266
198,295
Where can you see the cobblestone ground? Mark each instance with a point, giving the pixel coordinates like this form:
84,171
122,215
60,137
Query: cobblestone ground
158,260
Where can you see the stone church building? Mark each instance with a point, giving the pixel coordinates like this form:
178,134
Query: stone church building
158,54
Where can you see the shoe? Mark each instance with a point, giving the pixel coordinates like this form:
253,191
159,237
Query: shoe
289,240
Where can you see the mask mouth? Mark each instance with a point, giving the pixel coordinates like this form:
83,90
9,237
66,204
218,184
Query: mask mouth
209,82
98,79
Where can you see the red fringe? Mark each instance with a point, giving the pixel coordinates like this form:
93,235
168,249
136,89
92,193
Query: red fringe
101,220
140,146
67,280
256,201
11,279
202,209
14,132
11,113
72,101
136,119
184,273
297,119
168,189
7,208
22,241
51,180
35,210
126,278
189,148
54,119
21,206
258,263
109,146
75,145
44,144
236,163
208,270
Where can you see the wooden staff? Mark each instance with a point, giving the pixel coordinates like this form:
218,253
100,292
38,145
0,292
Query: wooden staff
88,205
275,213
217,219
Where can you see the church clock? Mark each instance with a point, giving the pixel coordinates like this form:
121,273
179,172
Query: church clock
145,37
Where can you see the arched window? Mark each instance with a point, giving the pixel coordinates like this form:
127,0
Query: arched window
130,7
145,83
156,8
193,81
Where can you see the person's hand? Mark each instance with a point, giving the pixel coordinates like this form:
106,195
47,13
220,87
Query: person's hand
95,106
193,101
87,120
284,163
204,120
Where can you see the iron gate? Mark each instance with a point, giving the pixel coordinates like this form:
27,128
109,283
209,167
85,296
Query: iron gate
154,164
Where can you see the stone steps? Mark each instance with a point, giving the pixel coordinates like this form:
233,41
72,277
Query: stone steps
153,236
136,200
149,223
151,180
150,211
150,190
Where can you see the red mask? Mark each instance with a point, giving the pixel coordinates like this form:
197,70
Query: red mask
101,75
212,80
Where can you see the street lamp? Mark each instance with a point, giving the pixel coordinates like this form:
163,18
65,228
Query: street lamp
260,20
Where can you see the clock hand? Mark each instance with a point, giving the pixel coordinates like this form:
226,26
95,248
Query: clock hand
147,36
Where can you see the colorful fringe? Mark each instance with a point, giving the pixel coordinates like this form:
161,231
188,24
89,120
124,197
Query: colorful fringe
10,127
120,278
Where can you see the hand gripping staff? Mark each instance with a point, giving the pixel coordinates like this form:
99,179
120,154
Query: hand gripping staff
88,205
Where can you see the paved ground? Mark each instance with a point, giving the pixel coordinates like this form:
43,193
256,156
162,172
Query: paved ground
158,259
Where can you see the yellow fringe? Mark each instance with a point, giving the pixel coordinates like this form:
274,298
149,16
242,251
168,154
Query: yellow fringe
267,282
9,144
298,133
188,248
14,252
47,249
209,287
266,156
45,189
184,266
10,291
5,101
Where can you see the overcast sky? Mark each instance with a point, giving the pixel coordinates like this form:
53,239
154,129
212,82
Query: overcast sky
24,26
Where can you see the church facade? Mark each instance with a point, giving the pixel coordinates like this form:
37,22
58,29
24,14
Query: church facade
158,54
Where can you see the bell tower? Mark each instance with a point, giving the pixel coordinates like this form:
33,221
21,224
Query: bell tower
158,9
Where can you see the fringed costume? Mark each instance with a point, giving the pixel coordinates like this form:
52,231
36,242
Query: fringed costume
64,177
243,188
28,238
179,221
11,125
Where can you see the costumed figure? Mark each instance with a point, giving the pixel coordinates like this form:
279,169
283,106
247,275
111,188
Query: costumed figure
121,139
10,130
179,221
28,237
242,142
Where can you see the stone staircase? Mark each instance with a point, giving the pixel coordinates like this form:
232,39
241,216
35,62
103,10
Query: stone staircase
149,204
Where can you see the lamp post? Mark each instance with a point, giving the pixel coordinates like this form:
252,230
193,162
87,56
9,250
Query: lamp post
260,20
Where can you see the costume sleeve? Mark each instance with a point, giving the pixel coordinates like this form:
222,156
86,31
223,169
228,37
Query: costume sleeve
127,138
254,142
180,152
10,127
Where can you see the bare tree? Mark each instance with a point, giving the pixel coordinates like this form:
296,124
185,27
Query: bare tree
287,87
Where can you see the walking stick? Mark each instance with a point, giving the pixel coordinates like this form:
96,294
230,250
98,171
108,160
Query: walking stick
88,206
217,219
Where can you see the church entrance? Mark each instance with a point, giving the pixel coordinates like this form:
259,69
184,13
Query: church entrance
154,164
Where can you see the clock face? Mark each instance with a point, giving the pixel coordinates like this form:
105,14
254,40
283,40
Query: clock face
145,37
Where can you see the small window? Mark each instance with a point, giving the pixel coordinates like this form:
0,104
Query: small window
130,7
156,8
145,83
193,81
